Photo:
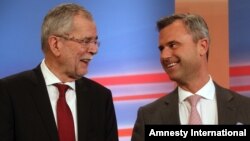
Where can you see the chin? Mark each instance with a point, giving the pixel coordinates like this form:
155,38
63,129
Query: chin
83,72
173,77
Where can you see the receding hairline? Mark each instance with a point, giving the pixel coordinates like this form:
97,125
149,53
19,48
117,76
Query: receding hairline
62,14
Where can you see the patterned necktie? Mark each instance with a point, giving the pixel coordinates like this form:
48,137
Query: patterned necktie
194,118
65,121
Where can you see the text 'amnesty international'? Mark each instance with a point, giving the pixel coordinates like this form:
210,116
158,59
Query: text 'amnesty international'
192,132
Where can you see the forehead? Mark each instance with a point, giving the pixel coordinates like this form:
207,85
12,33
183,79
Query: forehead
176,26
83,26
173,31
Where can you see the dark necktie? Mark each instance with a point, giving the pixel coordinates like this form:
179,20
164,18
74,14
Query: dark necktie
194,115
65,123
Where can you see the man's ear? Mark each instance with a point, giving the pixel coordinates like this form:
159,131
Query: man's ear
203,46
54,45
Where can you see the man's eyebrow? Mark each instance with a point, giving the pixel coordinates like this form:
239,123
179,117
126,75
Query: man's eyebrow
171,42
168,43
90,38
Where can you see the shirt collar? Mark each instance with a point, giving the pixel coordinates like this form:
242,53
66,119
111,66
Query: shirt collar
207,91
50,77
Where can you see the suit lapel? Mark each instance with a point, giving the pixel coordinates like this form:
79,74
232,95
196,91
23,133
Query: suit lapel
226,108
170,110
40,95
84,101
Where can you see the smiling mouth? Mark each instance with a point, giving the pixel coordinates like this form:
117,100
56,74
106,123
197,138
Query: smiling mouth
171,65
170,62
85,60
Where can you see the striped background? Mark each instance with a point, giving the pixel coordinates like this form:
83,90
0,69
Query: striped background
130,92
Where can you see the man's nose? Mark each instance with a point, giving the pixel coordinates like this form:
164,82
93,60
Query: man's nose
166,52
93,48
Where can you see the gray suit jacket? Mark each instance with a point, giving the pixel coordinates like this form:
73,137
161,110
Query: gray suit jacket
232,108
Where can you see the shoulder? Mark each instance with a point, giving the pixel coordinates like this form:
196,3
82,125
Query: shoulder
155,104
240,98
160,111
22,82
96,89
91,84
171,98
162,103
230,95
20,77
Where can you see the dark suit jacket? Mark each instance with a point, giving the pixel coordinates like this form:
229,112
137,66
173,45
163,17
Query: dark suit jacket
26,113
232,109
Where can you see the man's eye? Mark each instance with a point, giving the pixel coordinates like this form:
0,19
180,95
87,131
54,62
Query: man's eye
172,45
161,48
86,41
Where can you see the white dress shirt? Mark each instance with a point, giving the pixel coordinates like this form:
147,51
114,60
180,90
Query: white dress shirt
207,106
53,92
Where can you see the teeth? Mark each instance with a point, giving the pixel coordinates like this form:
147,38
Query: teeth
170,65
85,60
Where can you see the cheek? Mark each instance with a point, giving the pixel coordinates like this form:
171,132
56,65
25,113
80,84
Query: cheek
71,58
161,59
80,52
77,54
165,53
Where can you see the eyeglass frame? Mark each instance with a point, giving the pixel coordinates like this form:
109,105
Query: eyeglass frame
84,42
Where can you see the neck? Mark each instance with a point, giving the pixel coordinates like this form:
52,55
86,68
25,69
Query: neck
57,71
194,84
